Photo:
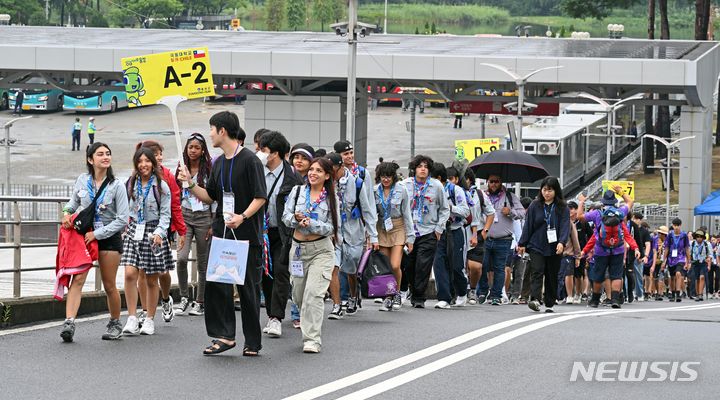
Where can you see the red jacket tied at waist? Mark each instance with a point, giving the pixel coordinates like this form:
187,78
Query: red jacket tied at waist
73,257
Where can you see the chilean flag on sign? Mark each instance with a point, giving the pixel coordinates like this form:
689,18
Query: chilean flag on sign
198,53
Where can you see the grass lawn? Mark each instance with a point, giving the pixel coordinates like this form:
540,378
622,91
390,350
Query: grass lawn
648,188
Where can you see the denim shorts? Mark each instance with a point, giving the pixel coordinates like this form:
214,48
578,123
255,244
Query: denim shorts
612,264
699,269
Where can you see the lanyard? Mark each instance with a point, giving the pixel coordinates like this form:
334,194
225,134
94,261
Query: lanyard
419,191
385,203
548,215
222,180
310,207
698,250
141,210
101,196
676,239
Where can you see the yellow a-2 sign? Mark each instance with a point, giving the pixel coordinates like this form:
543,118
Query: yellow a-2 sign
151,77
628,187
474,148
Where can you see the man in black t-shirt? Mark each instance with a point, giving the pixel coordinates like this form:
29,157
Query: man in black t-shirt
237,180
643,240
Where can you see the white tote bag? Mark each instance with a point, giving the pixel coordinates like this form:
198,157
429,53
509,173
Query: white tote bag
227,261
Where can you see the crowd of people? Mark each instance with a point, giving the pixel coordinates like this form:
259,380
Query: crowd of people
309,217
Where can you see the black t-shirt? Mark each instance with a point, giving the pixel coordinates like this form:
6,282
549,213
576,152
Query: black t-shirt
584,232
247,181
641,235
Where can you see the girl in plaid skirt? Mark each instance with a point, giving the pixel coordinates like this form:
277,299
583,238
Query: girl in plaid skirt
145,247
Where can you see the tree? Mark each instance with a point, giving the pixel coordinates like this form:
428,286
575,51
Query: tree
649,145
20,11
144,9
296,14
324,11
275,14
702,19
598,9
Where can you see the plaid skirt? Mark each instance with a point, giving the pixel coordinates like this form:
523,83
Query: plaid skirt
139,255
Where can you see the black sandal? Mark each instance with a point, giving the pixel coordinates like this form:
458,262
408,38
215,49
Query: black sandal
217,347
250,353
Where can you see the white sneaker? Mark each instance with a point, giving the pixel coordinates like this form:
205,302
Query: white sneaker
267,326
576,299
505,300
569,300
461,301
184,304
274,329
379,300
311,347
641,299
442,305
131,326
403,296
148,327
168,310
549,310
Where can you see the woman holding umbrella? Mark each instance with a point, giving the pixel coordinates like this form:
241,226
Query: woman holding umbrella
547,226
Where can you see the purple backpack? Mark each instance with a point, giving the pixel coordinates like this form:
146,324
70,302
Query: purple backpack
376,275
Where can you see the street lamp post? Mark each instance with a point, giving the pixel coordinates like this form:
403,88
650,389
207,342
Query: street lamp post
520,82
385,22
610,110
668,169
352,72
7,127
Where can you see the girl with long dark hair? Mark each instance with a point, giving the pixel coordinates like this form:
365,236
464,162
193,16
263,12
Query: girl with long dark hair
395,225
146,250
312,210
546,230
111,215
198,220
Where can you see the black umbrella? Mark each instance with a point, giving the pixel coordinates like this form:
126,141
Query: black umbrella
509,165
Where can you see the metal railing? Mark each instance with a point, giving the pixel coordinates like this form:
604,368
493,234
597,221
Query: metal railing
13,239
615,171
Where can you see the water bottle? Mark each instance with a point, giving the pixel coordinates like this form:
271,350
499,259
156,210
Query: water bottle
156,249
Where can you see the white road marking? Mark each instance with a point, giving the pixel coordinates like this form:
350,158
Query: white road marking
426,369
410,358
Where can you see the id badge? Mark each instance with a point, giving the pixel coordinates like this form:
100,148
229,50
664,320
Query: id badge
552,235
97,225
139,232
388,224
674,253
228,202
196,204
296,269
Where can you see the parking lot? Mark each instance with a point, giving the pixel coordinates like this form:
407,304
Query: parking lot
42,153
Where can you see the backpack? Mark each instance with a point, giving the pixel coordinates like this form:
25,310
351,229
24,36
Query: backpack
610,230
376,275
451,189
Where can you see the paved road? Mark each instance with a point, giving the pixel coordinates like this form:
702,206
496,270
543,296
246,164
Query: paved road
476,352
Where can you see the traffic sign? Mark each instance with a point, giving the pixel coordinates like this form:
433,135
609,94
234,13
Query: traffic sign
497,107
151,77
628,186
235,23
474,148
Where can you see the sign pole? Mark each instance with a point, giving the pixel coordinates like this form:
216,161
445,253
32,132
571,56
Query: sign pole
172,102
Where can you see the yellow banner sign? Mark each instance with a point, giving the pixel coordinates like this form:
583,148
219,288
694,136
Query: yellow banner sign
628,187
151,77
474,148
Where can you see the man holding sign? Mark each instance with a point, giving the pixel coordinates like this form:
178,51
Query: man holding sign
237,184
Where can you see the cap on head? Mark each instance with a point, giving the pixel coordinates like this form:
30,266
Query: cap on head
608,198
335,158
304,149
699,233
342,146
662,229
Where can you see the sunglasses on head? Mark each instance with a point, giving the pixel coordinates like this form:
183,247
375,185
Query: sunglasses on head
197,136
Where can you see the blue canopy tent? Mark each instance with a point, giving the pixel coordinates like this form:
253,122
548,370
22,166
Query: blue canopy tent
711,205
